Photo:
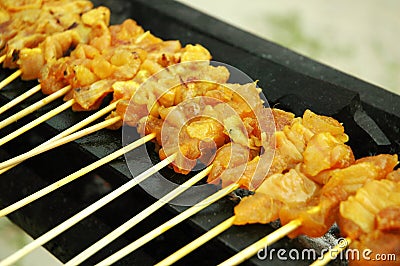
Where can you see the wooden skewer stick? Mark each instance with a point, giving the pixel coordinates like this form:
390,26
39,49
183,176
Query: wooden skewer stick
25,201
10,78
333,252
37,121
84,122
137,218
2,58
266,241
72,129
54,144
20,98
91,208
197,242
34,106
168,225
262,243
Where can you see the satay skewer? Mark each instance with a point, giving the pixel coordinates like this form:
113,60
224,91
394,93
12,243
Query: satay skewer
10,78
20,98
34,107
72,129
138,218
94,206
328,256
168,225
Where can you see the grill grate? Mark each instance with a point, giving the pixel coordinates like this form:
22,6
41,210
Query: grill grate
345,98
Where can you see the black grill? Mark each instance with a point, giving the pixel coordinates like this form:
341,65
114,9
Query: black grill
371,117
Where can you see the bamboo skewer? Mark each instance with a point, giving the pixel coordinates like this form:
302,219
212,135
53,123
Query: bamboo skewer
71,130
20,98
137,218
10,78
71,177
266,241
168,225
197,242
34,106
262,243
91,208
328,256
2,58
37,121
62,141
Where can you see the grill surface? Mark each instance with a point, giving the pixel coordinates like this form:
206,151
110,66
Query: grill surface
371,117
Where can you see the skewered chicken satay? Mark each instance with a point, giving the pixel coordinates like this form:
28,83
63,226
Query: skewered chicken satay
4,15
160,93
332,180
60,44
125,67
317,206
286,183
14,16
158,97
13,6
341,183
299,140
101,55
204,115
29,28
119,53
371,218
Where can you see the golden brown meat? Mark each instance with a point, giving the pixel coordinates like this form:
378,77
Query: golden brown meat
371,218
370,208
297,144
169,88
282,118
324,152
290,189
117,53
317,156
319,123
318,216
206,122
29,27
231,155
60,44
394,176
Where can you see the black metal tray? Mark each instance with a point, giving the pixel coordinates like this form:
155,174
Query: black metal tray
370,115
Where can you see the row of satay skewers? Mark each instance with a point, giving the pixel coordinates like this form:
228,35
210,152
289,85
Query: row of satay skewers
300,168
